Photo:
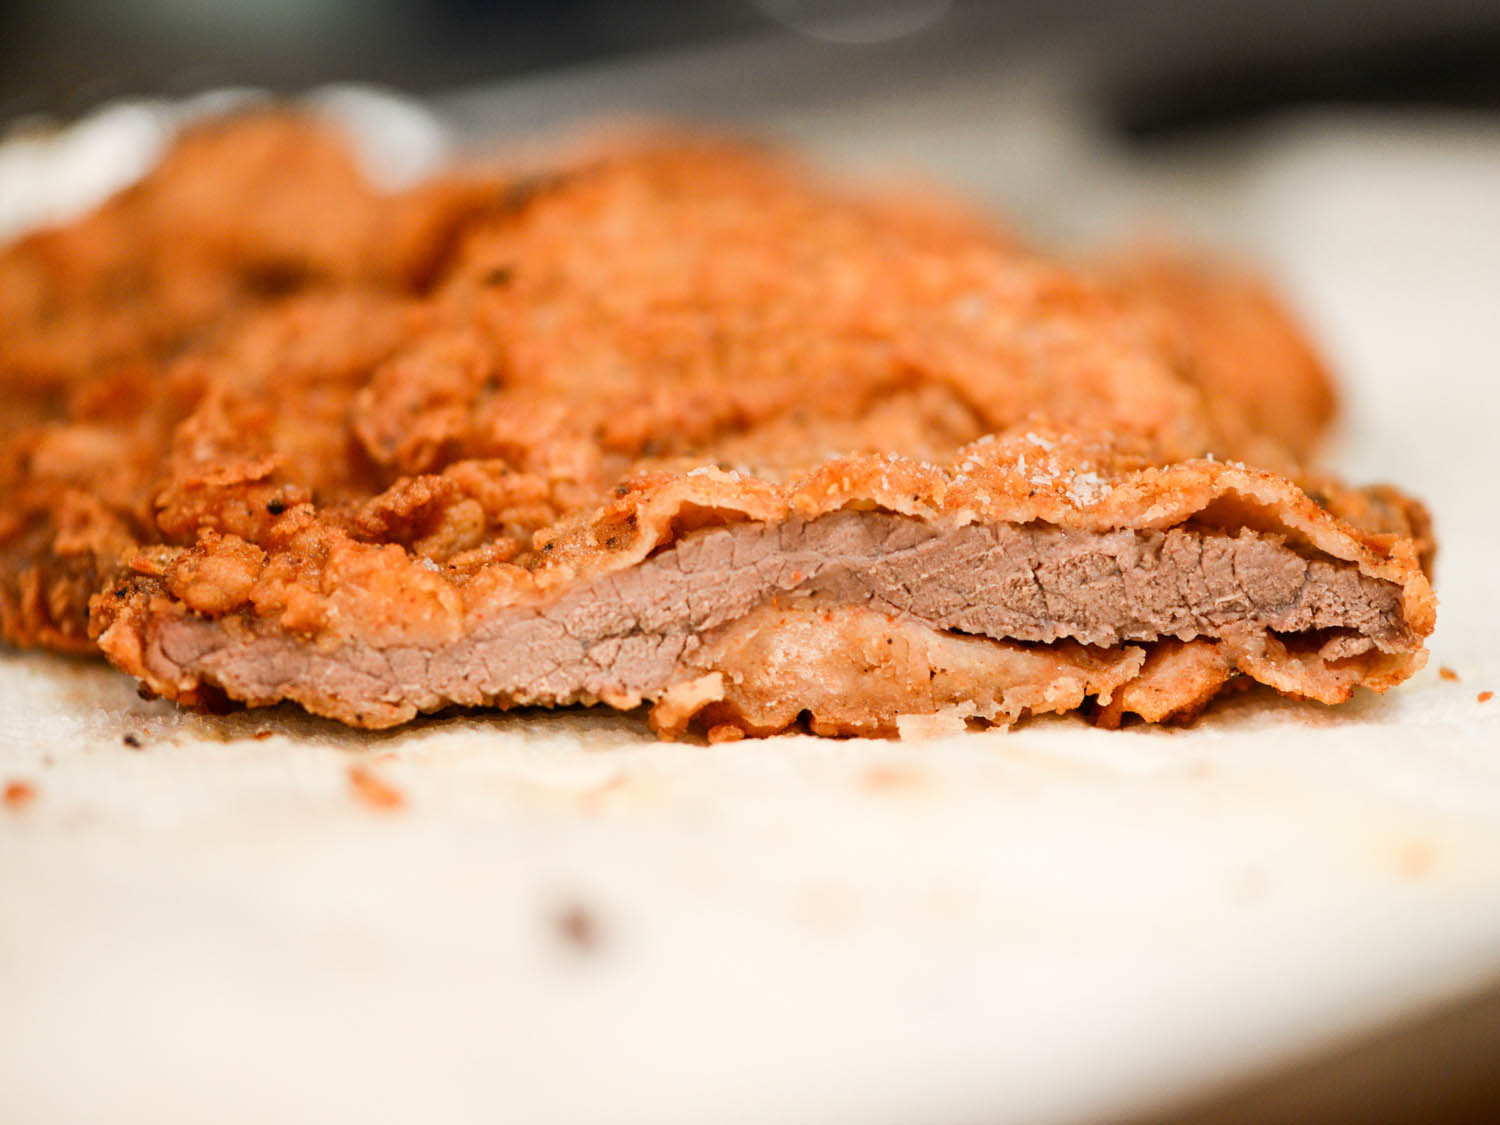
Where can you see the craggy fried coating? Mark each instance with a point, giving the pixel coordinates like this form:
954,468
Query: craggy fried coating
252,391
1249,354
107,319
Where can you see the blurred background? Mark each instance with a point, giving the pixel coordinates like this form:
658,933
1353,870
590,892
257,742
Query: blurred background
1155,66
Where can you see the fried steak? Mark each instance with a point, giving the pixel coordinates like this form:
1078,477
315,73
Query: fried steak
675,422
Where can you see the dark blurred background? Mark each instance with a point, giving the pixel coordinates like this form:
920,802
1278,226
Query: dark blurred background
1156,66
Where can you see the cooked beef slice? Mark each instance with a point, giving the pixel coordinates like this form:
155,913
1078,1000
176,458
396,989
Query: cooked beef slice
628,635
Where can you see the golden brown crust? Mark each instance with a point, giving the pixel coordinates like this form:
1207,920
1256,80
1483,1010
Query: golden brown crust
1246,349
474,397
118,324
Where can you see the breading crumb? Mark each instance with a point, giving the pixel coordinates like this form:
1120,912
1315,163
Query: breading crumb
18,794
578,927
373,791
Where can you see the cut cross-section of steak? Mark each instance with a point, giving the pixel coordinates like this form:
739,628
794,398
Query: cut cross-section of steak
754,623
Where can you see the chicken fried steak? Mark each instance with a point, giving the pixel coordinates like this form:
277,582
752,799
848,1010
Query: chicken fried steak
675,423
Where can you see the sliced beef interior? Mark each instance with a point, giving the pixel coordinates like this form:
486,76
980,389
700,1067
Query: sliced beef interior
683,613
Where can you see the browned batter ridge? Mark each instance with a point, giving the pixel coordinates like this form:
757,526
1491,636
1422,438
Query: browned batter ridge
678,423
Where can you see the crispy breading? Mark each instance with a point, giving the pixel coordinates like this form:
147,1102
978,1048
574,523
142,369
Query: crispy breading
114,324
